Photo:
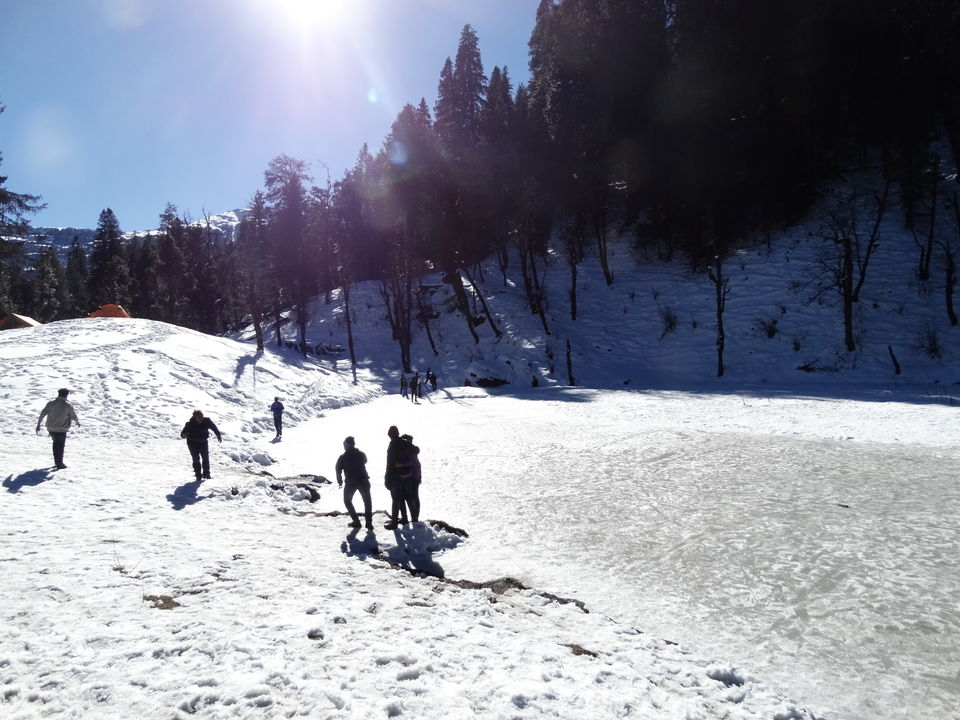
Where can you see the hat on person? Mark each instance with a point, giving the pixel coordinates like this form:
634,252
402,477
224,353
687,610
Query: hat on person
348,440
63,392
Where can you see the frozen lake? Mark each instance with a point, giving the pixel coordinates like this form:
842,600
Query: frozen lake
809,542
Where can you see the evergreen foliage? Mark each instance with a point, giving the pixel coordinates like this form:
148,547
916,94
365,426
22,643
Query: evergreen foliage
694,126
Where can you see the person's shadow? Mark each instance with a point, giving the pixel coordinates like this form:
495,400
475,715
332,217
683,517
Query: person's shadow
355,546
31,478
413,552
184,495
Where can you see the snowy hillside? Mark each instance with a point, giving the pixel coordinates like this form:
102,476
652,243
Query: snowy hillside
655,327
131,591
777,543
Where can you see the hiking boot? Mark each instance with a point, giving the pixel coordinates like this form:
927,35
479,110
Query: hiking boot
206,476
390,525
354,524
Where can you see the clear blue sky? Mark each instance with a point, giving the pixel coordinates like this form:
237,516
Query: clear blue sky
131,104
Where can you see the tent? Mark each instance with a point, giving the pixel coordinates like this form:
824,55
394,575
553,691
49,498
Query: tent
110,310
13,321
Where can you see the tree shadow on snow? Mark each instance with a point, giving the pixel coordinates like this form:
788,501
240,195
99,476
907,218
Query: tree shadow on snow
31,478
243,363
184,495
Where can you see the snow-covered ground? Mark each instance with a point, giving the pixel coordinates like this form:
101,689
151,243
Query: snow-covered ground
773,544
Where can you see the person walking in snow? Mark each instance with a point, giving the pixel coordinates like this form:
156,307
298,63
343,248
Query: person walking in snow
353,465
196,432
403,385
277,410
410,478
393,477
414,387
59,414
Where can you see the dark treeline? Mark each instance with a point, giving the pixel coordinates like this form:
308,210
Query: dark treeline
689,126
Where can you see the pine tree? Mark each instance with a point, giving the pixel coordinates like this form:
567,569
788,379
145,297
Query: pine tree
285,180
50,296
110,280
14,207
77,279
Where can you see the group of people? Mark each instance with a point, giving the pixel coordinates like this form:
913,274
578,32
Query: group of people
414,387
402,476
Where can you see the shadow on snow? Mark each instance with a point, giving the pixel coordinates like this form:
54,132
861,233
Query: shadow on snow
31,478
184,495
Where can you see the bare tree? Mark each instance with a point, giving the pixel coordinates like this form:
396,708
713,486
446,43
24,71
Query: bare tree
848,269
721,285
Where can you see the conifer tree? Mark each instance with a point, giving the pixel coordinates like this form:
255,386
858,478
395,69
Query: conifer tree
77,279
285,180
50,295
110,280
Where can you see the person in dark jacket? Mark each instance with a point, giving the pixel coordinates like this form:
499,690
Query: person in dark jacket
277,410
410,478
393,477
196,432
59,414
353,465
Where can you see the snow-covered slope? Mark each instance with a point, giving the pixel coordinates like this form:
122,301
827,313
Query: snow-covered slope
792,530
130,591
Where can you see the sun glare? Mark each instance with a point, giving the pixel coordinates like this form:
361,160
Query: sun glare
313,13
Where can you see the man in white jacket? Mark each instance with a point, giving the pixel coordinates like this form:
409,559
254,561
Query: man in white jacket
59,414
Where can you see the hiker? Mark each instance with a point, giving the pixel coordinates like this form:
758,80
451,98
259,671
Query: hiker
197,431
396,464
59,414
410,478
432,379
415,387
277,410
403,385
353,465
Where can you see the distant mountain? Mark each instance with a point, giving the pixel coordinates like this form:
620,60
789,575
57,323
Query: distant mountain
224,225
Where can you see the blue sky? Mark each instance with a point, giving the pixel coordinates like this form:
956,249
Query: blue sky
131,104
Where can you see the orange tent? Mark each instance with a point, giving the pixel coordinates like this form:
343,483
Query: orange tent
110,310
13,321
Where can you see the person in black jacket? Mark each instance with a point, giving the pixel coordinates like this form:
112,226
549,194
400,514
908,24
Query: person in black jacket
277,410
411,476
196,432
397,468
353,465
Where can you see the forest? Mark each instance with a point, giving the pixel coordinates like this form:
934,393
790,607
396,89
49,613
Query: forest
690,128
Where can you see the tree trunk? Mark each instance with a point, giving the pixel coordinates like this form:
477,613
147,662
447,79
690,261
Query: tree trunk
874,239
951,284
600,228
570,378
453,277
538,290
349,320
721,285
483,304
846,291
425,319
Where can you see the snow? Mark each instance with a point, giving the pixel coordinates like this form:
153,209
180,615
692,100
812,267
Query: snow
771,544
